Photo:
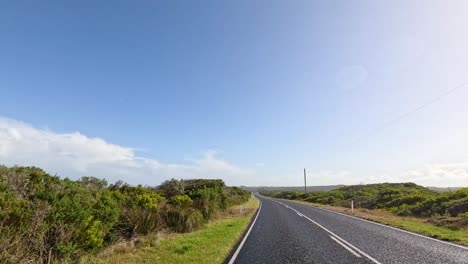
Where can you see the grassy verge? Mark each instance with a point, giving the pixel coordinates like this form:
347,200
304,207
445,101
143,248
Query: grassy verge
210,244
413,224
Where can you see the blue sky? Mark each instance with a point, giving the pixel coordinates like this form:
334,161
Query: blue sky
247,91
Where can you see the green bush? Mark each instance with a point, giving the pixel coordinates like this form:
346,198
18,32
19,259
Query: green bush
183,220
458,207
45,218
180,216
399,198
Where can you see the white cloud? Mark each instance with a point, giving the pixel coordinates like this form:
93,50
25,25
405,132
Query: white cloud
314,178
440,174
74,155
330,177
433,174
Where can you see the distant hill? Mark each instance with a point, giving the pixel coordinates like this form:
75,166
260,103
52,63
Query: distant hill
400,198
326,188
323,188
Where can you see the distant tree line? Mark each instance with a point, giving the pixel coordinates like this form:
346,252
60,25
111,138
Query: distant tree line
47,219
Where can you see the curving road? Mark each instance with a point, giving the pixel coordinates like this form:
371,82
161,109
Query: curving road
289,232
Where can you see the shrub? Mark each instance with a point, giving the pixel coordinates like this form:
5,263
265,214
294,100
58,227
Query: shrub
458,207
172,188
44,218
399,198
183,220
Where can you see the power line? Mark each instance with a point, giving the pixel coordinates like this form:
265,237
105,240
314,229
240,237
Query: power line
412,111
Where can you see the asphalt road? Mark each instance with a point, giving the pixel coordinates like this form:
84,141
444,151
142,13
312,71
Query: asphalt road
288,232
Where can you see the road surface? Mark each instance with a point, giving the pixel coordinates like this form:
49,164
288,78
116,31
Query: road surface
289,232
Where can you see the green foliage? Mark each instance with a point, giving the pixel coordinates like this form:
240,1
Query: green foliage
94,235
235,196
209,196
45,218
172,188
399,198
465,214
180,215
140,213
183,219
182,201
93,182
458,207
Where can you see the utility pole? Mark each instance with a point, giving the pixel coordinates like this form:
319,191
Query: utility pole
305,181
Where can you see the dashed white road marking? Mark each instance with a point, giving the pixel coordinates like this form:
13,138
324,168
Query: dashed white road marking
334,235
394,228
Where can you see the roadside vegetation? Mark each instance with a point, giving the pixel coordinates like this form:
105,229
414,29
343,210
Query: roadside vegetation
442,215
210,244
47,219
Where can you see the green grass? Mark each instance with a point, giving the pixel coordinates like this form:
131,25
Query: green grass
252,203
413,224
211,244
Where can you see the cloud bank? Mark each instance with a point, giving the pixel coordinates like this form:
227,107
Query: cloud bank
432,174
441,174
74,155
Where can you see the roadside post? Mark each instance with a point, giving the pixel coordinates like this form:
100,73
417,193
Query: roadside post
352,206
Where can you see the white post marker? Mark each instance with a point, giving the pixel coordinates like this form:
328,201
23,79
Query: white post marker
352,206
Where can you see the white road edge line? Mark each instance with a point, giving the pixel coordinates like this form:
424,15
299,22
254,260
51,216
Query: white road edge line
346,247
336,236
234,256
391,227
